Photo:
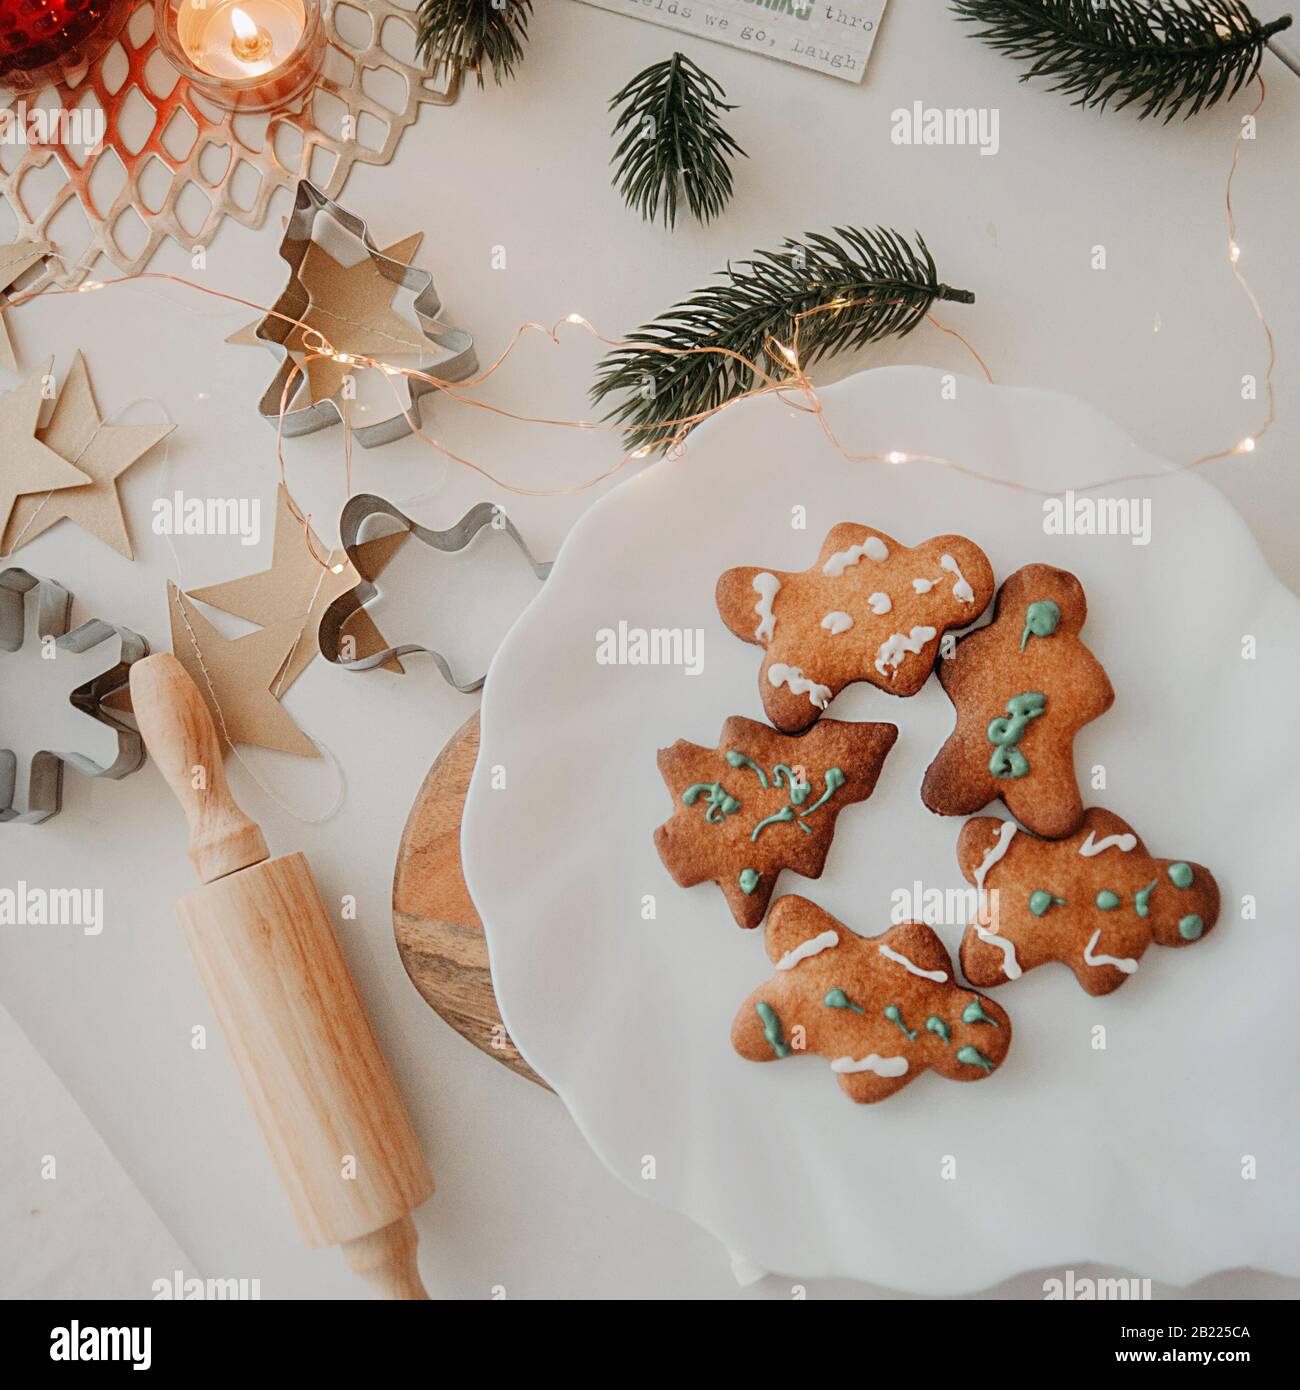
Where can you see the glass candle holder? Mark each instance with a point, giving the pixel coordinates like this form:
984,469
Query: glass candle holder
43,41
245,55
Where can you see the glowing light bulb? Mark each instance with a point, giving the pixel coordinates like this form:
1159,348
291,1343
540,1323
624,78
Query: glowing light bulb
896,457
1247,446
790,355
1234,253
336,569
573,318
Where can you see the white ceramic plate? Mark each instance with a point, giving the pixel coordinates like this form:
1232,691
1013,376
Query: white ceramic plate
1174,1150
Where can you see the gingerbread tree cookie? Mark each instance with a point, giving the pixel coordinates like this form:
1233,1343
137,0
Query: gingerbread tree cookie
761,802
1023,687
882,1008
870,609
1096,901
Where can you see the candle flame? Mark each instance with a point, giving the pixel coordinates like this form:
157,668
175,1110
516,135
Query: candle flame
244,27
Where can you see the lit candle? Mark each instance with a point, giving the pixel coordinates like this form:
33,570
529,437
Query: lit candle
251,54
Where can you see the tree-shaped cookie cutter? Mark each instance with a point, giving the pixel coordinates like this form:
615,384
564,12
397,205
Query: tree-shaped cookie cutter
294,303
356,513
53,611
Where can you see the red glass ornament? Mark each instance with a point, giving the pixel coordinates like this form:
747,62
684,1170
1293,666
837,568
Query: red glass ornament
42,40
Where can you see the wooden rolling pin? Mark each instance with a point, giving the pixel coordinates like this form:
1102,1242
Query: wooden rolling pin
311,1067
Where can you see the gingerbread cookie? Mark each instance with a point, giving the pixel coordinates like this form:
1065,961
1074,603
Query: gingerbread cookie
882,1008
1096,901
761,802
870,609
1023,687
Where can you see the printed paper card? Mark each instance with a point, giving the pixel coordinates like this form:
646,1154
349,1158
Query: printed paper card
830,36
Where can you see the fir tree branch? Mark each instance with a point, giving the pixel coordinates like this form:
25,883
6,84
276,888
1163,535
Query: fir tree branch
471,35
1165,56
672,136
830,295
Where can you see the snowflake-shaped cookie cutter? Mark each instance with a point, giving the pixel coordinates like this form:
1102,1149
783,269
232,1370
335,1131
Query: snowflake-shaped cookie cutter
294,303
356,513
53,612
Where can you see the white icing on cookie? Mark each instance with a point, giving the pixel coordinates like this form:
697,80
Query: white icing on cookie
938,976
880,604
923,586
1121,842
837,622
766,586
814,946
1006,832
1127,966
890,656
1010,966
882,1066
781,674
873,548
961,589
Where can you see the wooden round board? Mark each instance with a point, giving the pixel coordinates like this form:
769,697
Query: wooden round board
439,932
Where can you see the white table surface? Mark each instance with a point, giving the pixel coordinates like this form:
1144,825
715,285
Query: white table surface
1160,340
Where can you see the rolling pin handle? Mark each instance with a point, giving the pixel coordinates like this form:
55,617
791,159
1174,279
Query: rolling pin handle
386,1260
182,739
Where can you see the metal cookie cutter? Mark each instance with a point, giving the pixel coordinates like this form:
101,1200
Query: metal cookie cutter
360,509
294,302
53,610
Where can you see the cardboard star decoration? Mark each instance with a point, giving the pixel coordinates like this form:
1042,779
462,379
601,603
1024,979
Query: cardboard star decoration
296,588
234,676
14,261
27,465
102,452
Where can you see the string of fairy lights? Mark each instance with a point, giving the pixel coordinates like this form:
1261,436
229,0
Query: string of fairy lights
793,389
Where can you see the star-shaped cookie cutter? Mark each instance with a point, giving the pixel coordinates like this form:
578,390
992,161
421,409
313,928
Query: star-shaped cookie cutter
295,301
356,513
53,611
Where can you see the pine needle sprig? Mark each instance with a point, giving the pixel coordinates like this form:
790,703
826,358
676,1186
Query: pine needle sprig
673,139
1163,56
473,35
824,294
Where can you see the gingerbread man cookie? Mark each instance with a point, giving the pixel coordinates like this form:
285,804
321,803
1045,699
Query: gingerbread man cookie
1096,901
761,802
870,609
882,1008
1023,687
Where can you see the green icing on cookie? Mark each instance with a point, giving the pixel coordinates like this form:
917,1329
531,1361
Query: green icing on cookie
1106,900
1142,898
738,759
837,999
1190,927
719,803
798,790
1041,619
1040,900
1180,875
973,1057
785,814
1005,734
834,781
934,1024
974,1013
895,1015
748,880
772,1029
